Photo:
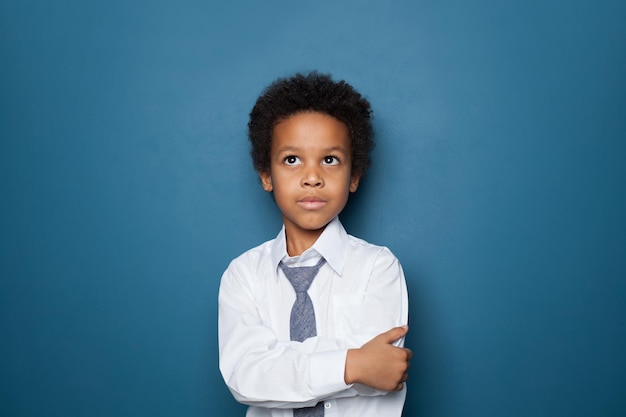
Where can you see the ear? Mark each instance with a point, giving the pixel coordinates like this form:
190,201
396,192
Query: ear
266,181
354,182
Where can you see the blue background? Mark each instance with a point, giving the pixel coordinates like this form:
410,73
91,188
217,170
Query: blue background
498,180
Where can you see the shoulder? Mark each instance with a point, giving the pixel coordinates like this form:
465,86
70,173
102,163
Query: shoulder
245,278
370,255
363,247
369,267
255,260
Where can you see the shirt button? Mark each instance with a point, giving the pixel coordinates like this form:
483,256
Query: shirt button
327,405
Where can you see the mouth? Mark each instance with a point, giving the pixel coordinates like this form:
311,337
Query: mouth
311,203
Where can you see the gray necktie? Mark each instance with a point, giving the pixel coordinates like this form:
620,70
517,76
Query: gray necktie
302,324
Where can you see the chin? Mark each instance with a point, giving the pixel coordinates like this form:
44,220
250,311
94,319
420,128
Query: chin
314,226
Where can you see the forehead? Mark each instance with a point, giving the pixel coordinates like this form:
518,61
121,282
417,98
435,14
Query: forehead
310,129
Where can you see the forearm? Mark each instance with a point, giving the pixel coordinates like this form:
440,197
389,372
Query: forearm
286,374
262,371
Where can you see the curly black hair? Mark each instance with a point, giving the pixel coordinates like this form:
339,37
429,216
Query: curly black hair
311,92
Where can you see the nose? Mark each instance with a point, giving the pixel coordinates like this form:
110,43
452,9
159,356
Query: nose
312,178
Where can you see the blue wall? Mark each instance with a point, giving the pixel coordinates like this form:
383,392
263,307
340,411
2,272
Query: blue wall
126,188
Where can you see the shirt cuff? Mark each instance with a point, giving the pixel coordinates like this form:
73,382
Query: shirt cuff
328,371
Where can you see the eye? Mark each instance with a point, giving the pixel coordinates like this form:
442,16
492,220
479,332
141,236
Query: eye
331,160
292,160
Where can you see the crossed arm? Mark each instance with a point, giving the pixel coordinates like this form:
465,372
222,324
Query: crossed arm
262,370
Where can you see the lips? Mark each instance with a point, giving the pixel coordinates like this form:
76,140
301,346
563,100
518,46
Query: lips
311,203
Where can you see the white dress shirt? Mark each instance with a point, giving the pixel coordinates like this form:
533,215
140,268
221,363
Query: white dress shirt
358,293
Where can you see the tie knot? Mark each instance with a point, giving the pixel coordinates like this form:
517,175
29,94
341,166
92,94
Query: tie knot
301,277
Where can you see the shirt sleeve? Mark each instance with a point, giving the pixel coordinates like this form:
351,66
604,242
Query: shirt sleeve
371,305
259,369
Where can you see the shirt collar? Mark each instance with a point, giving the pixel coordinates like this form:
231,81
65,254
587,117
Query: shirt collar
332,245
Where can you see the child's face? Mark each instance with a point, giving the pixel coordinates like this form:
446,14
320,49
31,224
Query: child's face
310,171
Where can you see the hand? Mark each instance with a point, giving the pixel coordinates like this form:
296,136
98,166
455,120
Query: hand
378,363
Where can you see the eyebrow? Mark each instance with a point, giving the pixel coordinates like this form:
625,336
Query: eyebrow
295,148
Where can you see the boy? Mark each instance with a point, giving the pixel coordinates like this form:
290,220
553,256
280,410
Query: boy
312,323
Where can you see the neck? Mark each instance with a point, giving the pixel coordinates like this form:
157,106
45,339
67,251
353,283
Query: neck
300,240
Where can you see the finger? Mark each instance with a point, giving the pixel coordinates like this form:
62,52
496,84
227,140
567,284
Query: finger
394,334
409,354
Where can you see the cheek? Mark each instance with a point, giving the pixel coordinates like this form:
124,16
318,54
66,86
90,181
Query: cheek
282,189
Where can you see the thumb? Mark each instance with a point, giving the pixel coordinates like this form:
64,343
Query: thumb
394,334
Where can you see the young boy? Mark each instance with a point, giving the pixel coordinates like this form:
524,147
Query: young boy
330,344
